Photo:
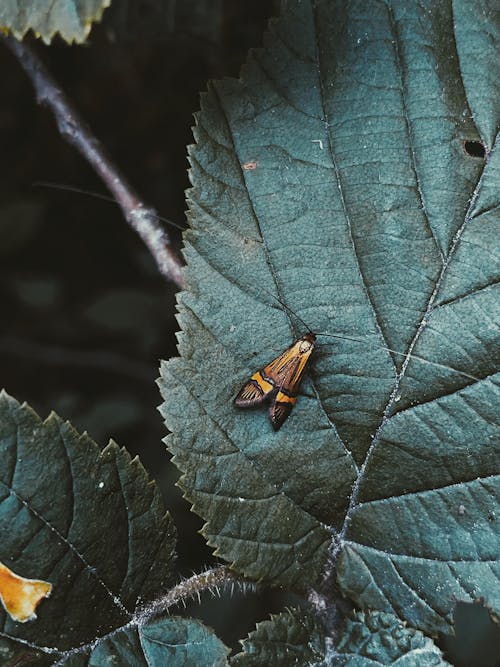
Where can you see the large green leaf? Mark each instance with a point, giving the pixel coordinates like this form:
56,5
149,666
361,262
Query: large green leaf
89,522
72,19
334,174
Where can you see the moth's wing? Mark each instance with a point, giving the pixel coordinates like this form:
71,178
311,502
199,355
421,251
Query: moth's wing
280,370
255,391
280,408
279,381
288,369
262,383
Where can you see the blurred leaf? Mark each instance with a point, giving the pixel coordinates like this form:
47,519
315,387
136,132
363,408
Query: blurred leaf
40,292
333,175
89,522
126,311
19,222
111,413
135,19
72,19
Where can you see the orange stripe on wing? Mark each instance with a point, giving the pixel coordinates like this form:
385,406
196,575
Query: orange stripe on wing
254,392
284,398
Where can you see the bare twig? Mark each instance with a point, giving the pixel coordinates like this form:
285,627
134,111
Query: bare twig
143,219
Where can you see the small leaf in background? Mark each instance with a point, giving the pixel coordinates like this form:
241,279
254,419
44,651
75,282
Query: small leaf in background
90,522
376,638
19,596
43,292
287,639
19,223
180,642
71,19
367,639
365,215
128,312
176,642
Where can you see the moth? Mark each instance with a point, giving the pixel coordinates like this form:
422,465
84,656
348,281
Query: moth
279,381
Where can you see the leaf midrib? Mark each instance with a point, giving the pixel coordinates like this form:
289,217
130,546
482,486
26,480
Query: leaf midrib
422,325
445,259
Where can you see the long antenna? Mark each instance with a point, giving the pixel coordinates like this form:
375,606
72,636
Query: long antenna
288,309
363,342
404,354
97,195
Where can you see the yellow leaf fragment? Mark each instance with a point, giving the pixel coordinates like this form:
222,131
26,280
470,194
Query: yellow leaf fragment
20,596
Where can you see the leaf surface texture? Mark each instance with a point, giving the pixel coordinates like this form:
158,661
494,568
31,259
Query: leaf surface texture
333,176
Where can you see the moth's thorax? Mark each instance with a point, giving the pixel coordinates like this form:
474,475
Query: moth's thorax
307,343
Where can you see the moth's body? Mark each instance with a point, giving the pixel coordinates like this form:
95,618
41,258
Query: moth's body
279,381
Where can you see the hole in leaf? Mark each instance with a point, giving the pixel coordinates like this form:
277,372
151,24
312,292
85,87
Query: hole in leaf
475,149
476,641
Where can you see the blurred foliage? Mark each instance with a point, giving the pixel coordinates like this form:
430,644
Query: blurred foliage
88,315
71,19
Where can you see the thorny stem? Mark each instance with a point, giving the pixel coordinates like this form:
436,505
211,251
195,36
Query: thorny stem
188,589
211,580
143,219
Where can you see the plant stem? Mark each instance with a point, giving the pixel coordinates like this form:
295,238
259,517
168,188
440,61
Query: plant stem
212,580
143,219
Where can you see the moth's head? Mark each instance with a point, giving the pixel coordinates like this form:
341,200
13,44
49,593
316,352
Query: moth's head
307,343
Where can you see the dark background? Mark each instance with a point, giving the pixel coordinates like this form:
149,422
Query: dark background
85,314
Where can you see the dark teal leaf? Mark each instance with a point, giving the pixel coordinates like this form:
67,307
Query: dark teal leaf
367,639
476,29
333,177
289,639
176,642
424,539
89,522
71,19
372,639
